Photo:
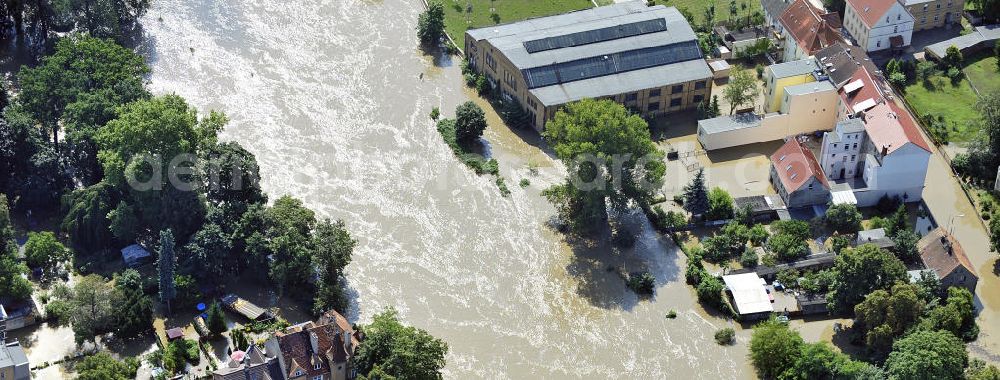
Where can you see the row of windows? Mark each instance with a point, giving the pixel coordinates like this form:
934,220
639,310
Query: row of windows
675,89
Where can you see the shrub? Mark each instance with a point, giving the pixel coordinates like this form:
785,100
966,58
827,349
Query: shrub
749,258
788,277
435,113
502,185
757,234
720,204
725,336
671,314
839,242
787,246
710,291
641,282
524,183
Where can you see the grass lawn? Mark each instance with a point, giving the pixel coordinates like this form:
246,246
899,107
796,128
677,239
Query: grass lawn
457,20
984,75
953,102
697,8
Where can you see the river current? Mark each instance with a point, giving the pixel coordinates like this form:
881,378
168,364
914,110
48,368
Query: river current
333,96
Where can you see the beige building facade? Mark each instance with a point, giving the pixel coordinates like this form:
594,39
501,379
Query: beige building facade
930,14
646,58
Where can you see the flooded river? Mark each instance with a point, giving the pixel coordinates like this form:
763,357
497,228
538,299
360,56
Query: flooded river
333,98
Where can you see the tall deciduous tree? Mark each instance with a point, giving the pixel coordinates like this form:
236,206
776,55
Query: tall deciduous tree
430,25
401,351
884,316
611,159
206,256
844,218
44,251
862,270
470,122
927,355
741,89
332,249
165,268
102,366
774,348
86,221
134,314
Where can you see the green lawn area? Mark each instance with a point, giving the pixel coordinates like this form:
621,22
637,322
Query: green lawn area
983,74
953,102
697,8
457,20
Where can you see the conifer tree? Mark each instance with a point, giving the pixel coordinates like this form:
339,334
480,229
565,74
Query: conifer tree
165,267
696,195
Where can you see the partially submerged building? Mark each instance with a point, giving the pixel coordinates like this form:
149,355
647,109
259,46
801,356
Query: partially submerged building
797,177
875,236
749,296
786,74
646,58
315,350
983,38
941,253
13,362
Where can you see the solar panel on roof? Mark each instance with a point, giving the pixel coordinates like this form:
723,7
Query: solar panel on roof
596,35
615,63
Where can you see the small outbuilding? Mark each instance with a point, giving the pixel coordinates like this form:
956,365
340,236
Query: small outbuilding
135,255
175,334
749,295
875,236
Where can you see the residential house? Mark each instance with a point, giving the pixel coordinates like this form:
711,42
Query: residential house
13,362
861,92
797,177
808,29
321,350
941,253
773,9
251,364
841,61
646,58
781,75
878,24
930,14
840,154
895,156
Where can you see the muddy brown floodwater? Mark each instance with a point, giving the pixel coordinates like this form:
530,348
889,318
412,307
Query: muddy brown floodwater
333,98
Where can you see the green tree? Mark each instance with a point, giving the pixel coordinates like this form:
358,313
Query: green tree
957,315
953,57
102,366
404,352
819,361
884,316
216,320
696,195
787,246
906,245
927,355
232,178
288,227
206,256
611,159
135,309
165,268
7,244
430,25
12,284
741,90
333,248
863,270
720,204
90,306
81,69
774,348
470,122
44,251
757,234
86,221
710,290
844,218
797,228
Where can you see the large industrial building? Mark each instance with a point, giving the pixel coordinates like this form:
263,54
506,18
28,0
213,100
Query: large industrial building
646,58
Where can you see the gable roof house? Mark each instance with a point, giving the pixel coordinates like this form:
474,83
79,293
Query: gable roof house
797,176
896,156
308,350
773,9
941,253
878,24
808,29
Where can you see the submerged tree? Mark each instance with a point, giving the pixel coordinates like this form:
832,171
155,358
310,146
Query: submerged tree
165,268
430,25
696,195
611,160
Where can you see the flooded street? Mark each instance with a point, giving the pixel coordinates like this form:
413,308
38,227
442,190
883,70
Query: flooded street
333,99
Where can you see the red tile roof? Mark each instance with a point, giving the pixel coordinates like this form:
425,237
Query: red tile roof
795,165
869,90
891,128
871,10
812,28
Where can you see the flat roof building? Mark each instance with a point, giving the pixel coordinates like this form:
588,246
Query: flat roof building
749,295
646,58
